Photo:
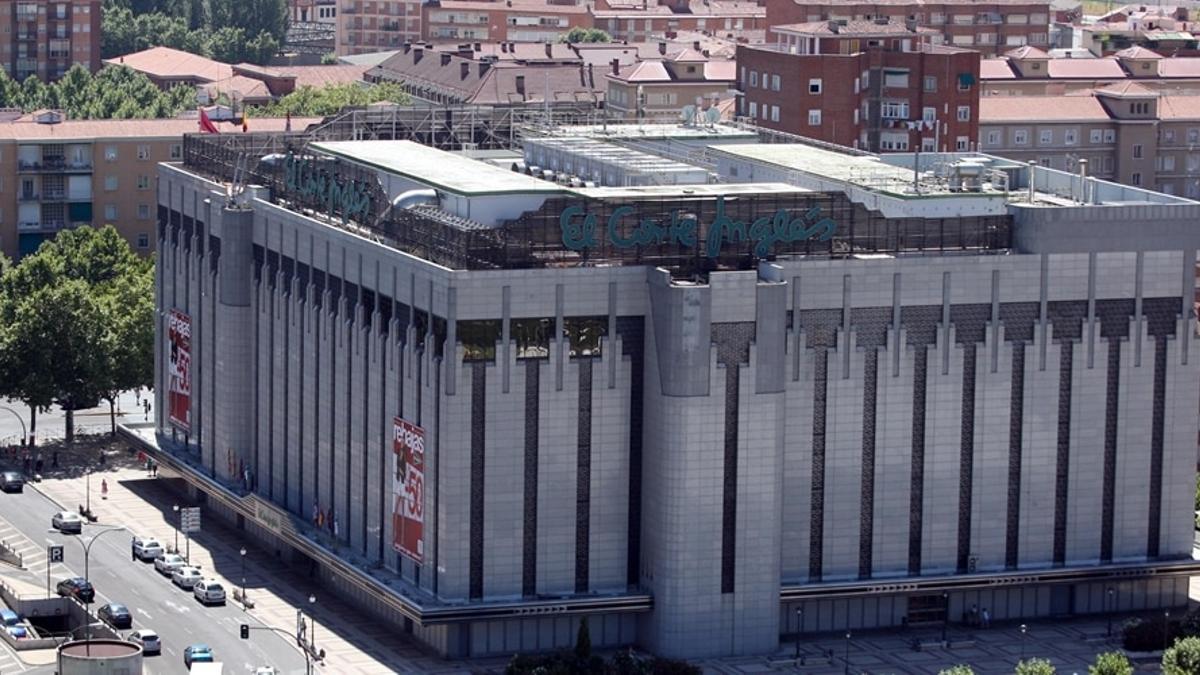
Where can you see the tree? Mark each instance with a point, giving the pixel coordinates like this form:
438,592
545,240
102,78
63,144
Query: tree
583,641
1111,663
581,34
1183,658
1035,667
960,669
331,59
312,102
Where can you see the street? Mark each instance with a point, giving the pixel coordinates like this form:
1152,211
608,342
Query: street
154,601
52,424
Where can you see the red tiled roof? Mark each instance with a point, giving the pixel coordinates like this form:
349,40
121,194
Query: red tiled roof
1173,107
1026,52
1001,109
1085,69
851,28
1126,89
1179,66
643,71
718,71
164,63
1136,52
996,69
247,88
160,128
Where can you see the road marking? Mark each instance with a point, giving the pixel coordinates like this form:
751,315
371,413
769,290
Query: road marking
177,607
145,614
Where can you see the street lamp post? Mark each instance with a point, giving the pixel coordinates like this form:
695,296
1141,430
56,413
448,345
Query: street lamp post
1024,629
19,419
799,629
312,633
946,618
1166,629
847,659
1111,593
242,551
175,508
87,552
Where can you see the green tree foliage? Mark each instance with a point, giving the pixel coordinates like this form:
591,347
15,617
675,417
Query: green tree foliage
581,34
1183,658
960,669
329,59
115,92
1111,663
313,102
232,31
1035,667
76,323
583,641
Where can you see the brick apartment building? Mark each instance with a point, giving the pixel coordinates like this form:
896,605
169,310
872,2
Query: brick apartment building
659,89
503,20
1029,71
1127,132
877,85
642,20
365,26
46,38
57,173
990,27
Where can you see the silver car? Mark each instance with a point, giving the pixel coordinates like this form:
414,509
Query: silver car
146,548
67,522
186,577
148,640
167,564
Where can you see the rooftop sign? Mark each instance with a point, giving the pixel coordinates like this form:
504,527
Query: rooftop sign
314,184
579,229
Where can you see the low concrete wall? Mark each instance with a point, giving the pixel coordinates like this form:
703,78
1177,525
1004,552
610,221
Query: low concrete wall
31,606
9,555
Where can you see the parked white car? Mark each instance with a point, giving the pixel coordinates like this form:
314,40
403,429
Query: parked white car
168,563
185,577
147,548
67,522
148,640
208,592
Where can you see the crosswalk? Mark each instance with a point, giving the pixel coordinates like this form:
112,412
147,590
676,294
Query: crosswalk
9,663
33,555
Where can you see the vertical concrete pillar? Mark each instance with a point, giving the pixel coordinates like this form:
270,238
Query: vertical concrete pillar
233,354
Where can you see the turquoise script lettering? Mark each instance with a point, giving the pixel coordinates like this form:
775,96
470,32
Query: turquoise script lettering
350,198
579,229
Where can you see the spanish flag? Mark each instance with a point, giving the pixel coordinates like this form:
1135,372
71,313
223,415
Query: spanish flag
206,125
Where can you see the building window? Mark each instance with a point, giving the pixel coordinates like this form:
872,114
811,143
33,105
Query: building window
961,144
964,113
1044,161
110,153
1096,136
774,113
814,85
927,144
897,79
894,110
993,138
753,110
754,78
1110,136
1070,136
1138,153
176,151
775,83
930,83
143,152
110,212
1020,137
143,211
928,114
893,141
110,183
1135,178
143,182
1169,135
143,241
814,118
1168,162
1045,137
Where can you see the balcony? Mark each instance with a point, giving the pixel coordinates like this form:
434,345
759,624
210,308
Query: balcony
29,197
54,165
53,195
43,226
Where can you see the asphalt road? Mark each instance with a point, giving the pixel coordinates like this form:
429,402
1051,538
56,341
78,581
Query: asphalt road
52,424
156,603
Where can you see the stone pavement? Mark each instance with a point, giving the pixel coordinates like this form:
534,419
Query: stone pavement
353,642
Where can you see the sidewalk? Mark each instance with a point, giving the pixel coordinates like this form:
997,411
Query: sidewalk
353,641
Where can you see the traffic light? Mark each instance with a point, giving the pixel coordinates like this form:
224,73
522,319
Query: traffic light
245,631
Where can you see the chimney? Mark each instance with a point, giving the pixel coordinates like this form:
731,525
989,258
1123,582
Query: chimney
705,53
549,50
696,45
483,68
591,78
582,75
662,48
834,27
418,52
521,86
1083,185
445,58
464,69
407,47
504,47
478,47
616,66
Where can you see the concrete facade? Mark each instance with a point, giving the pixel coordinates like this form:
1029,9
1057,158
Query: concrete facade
738,447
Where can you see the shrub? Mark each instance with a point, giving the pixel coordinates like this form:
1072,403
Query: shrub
1111,663
960,669
1146,635
1183,658
1035,667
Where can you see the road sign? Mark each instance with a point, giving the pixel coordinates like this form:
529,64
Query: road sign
189,519
54,553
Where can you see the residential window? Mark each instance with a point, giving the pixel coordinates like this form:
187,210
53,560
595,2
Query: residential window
1169,135
894,110
893,141
774,113
110,183
143,182
1110,136
753,110
928,114
754,78
1044,161
143,152
1193,162
110,212
961,144
930,83
1070,136
1168,162
176,151
143,241
1020,137
814,85
927,144
897,79
1136,178
1045,137
110,153
1167,188
814,118
993,138
1096,136
1193,135
1137,151
143,211
775,83
964,113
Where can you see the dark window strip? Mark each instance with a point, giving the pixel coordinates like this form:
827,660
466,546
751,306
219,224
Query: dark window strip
478,417
1062,470
529,532
966,458
866,527
1111,402
583,478
1016,422
916,505
1158,412
631,330
816,522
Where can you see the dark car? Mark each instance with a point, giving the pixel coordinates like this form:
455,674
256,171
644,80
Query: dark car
116,615
78,588
11,481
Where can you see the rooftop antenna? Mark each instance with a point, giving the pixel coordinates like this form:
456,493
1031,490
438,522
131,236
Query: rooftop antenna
712,116
236,187
688,115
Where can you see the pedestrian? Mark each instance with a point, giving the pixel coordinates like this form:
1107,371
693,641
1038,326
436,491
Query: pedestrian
132,549
39,464
987,618
154,468
973,620
104,489
54,460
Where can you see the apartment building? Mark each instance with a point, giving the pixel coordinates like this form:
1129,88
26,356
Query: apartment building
665,87
1029,71
313,11
365,26
639,20
57,173
510,20
876,85
45,38
1128,133
989,27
